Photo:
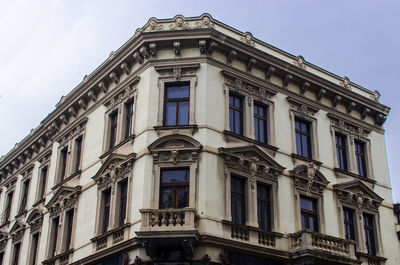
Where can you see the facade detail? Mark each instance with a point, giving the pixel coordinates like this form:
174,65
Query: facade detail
195,143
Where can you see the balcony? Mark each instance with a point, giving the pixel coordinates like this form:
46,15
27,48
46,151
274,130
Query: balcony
60,259
111,238
325,248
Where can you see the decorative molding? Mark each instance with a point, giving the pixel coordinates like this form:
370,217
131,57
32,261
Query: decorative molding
153,50
74,131
122,95
300,62
301,107
304,87
17,231
351,130
231,56
308,178
177,48
64,199
248,39
287,78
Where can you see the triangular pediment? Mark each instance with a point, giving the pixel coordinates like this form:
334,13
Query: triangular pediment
112,161
17,226
356,192
65,198
251,159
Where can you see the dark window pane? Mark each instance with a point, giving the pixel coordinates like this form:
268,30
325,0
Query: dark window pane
34,248
263,206
183,114
235,114
171,114
183,198
178,91
303,138
70,220
174,192
238,122
166,196
54,236
16,253
175,175
309,217
238,200
231,120
369,234
123,200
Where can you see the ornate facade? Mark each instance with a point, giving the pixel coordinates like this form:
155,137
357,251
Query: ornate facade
195,143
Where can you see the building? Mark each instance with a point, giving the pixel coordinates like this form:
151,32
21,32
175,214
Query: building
195,143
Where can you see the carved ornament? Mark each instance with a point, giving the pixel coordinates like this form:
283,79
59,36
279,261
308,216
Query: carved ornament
248,39
350,130
73,132
308,178
64,199
125,94
300,62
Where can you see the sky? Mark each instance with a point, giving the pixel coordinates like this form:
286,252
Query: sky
47,47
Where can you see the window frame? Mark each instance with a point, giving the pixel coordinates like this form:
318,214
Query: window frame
242,219
363,156
177,102
352,223
309,213
24,194
236,109
307,134
16,259
175,186
342,158
263,118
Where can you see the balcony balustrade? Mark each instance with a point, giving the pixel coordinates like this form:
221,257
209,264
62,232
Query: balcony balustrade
168,219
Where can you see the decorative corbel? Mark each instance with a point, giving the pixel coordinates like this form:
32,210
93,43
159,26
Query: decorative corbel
21,159
72,111
54,126
365,112
9,169
113,76
153,50
336,100
251,62
82,103
42,141
269,71
144,52
64,119
346,82
103,87
92,95
138,57
177,73
231,56
350,106
321,93
177,48
202,46
34,148
287,79
211,47
380,119
15,164
125,68
304,87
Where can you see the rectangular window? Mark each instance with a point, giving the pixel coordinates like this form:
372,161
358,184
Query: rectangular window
123,187
309,215
235,114
174,191
260,123
24,196
341,151
128,118
106,210
303,138
63,163
238,208
1,258
176,107
17,248
68,228
78,153
348,223
360,158
43,180
369,234
54,235
113,129
9,204
263,206
34,248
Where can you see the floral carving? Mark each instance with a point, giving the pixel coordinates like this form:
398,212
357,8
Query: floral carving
204,23
358,194
179,24
154,26
248,38
308,178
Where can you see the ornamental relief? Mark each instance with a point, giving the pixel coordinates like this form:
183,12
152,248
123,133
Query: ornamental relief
120,97
178,23
239,86
113,173
73,132
352,131
64,200
17,232
308,178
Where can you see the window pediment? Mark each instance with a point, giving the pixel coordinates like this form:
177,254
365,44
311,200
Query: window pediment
65,198
358,194
308,178
17,231
174,148
3,240
253,160
116,166
35,219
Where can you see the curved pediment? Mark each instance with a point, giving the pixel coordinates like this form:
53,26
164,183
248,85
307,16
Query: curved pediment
357,193
251,159
63,199
34,215
174,148
308,178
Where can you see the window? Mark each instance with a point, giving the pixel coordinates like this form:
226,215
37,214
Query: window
63,163
238,209
9,205
106,210
176,105
263,206
123,188
348,220
1,258
360,158
34,248
303,138
309,216
78,153
260,123
68,228
42,182
174,188
24,200
369,234
54,236
17,248
113,129
341,151
128,118
235,114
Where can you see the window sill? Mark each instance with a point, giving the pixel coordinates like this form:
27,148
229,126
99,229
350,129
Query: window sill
365,256
177,128
109,232
21,213
306,159
339,173
247,139
73,175
56,257
38,202
130,138
253,228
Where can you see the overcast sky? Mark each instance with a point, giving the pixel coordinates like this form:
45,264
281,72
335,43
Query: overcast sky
47,47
